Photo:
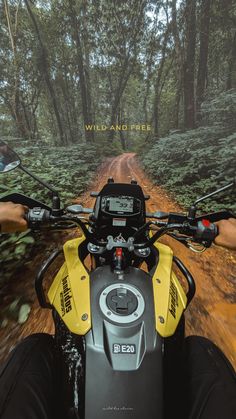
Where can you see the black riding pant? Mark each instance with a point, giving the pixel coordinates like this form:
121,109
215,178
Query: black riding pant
28,384
29,387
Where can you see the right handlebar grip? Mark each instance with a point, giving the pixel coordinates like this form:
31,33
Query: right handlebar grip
206,232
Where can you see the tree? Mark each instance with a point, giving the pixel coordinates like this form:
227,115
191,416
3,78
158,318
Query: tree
231,80
22,107
77,17
203,54
179,60
67,64
45,71
121,26
157,85
189,65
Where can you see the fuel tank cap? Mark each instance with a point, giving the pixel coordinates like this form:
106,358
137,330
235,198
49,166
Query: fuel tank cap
122,303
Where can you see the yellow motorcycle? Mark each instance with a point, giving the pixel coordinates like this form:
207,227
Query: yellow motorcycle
117,301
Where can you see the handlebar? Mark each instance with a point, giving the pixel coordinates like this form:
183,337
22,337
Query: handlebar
39,218
199,230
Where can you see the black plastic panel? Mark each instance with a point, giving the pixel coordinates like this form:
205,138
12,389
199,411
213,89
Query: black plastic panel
123,384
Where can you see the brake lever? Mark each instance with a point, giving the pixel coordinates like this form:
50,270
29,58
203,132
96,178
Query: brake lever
216,216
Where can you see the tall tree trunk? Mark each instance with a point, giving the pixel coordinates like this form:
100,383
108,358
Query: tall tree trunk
120,121
155,116
127,61
67,104
123,140
179,65
203,55
231,80
87,62
178,96
46,74
83,71
189,65
121,85
16,100
145,99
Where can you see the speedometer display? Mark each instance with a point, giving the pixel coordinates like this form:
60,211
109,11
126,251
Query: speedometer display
121,204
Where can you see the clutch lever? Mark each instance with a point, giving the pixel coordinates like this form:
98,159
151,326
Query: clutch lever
158,214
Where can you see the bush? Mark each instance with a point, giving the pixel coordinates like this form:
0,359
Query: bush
68,169
198,161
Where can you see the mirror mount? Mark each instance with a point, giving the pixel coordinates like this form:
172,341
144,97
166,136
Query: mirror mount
9,160
42,182
56,205
224,188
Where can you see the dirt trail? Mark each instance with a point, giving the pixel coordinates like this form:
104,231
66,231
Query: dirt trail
213,311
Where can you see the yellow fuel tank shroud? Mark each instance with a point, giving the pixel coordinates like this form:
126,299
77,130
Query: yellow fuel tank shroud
169,297
70,290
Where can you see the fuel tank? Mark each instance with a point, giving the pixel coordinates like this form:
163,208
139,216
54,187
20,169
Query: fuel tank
124,353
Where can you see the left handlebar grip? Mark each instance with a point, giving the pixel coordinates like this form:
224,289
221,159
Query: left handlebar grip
36,217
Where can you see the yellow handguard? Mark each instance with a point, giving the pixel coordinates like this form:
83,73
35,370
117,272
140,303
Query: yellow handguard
169,297
70,290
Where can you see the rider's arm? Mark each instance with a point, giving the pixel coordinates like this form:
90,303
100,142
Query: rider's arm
12,217
227,234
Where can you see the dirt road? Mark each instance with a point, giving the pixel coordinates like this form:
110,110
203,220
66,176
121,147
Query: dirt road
213,311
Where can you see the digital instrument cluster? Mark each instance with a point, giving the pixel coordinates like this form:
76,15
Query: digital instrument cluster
120,205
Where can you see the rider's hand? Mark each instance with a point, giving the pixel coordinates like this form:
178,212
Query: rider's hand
12,217
227,233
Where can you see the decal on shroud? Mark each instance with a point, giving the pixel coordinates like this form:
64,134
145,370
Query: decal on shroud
65,297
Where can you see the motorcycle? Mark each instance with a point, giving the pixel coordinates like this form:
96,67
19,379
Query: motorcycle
118,301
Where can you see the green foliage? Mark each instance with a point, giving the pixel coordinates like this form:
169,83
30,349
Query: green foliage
196,162
69,169
221,110
14,250
13,247
18,310
121,51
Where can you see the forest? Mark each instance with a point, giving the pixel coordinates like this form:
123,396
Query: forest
67,65
96,78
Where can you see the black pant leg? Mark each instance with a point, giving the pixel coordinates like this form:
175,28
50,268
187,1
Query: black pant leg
27,386
211,381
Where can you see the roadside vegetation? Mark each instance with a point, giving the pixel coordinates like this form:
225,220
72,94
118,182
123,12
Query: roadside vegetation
195,162
68,169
